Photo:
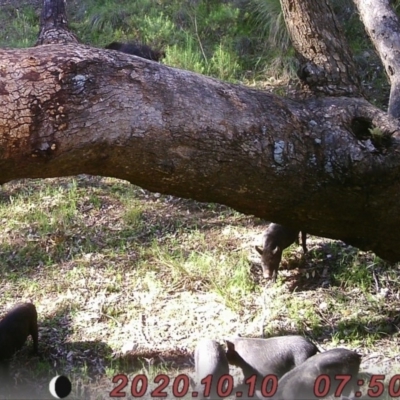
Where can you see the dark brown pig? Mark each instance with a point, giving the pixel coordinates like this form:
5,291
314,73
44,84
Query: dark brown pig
275,355
276,239
137,49
15,327
210,359
300,382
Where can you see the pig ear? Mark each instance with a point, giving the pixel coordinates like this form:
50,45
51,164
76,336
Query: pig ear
230,346
259,251
275,250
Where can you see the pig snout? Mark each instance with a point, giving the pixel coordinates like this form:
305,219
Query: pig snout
270,272
270,259
267,273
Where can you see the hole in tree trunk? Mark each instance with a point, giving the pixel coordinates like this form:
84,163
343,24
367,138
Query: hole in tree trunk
364,129
360,128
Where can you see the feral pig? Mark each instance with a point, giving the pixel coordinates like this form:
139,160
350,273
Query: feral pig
136,49
298,384
234,358
248,371
15,327
276,355
209,359
276,238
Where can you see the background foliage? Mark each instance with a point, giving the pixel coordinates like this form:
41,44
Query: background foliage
235,40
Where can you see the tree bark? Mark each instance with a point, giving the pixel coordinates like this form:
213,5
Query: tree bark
382,25
53,24
328,166
314,165
327,65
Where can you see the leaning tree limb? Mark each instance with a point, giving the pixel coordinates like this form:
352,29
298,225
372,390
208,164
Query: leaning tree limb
314,165
382,26
328,166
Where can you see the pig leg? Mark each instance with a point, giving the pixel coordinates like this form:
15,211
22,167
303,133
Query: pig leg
303,241
35,337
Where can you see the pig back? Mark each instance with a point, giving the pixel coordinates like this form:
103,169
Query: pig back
15,327
299,382
210,359
276,355
279,235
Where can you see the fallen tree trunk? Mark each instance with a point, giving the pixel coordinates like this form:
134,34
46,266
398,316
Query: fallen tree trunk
314,164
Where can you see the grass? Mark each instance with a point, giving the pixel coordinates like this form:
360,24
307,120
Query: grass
208,37
18,26
241,42
126,281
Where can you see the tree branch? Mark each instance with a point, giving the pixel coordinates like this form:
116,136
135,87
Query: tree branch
382,25
314,165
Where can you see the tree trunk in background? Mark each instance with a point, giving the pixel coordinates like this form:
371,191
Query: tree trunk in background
327,65
53,24
382,25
